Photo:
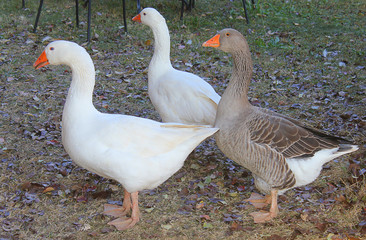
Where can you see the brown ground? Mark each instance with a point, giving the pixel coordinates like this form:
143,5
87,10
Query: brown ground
43,195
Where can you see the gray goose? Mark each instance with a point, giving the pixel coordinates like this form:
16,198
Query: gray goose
282,153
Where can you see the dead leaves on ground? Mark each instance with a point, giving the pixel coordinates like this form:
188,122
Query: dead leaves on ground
80,193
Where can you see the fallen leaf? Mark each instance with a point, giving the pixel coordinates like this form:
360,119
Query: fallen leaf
166,226
236,227
93,234
295,233
321,226
275,237
340,198
184,191
48,189
102,194
148,42
304,216
352,238
233,194
195,166
149,210
240,188
85,227
200,205
31,187
207,225
106,230
206,217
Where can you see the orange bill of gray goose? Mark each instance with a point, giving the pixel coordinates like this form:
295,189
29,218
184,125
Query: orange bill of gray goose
282,153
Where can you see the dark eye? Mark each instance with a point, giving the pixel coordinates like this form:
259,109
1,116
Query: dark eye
227,34
52,48
144,14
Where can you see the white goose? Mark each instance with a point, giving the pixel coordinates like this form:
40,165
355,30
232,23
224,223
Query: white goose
139,153
177,96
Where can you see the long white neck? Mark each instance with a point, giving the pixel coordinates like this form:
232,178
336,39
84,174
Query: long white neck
79,100
161,55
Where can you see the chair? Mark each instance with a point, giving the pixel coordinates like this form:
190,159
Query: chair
77,16
188,3
245,11
189,6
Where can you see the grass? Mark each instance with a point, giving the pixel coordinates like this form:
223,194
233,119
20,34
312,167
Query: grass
291,75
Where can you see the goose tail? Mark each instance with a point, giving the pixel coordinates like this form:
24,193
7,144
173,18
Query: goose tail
347,148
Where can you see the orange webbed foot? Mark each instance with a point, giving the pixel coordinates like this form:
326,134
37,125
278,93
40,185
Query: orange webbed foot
115,210
118,211
258,201
123,223
262,216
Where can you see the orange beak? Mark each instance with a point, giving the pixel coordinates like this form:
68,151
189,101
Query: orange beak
213,42
41,61
137,18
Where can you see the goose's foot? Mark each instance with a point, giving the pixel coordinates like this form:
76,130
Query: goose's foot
115,210
258,201
263,216
118,211
123,223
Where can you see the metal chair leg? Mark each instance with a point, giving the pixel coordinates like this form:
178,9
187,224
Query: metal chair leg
138,7
77,12
182,9
124,14
245,10
89,19
189,4
38,14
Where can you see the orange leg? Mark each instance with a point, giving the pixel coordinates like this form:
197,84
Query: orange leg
117,211
262,216
124,223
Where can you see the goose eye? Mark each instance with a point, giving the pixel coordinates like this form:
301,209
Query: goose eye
144,14
52,48
227,34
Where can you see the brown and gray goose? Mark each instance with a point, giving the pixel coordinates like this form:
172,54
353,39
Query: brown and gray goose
282,153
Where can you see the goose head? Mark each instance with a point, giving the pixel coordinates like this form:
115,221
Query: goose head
60,52
228,40
149,16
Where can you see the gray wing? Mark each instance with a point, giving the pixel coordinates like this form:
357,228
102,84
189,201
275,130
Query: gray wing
290,137
275,138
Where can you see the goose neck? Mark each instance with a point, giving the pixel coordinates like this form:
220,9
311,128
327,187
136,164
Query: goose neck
80,94
242,73
162,44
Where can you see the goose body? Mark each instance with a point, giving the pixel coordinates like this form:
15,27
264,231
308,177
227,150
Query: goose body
178,96
281,152
138,153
